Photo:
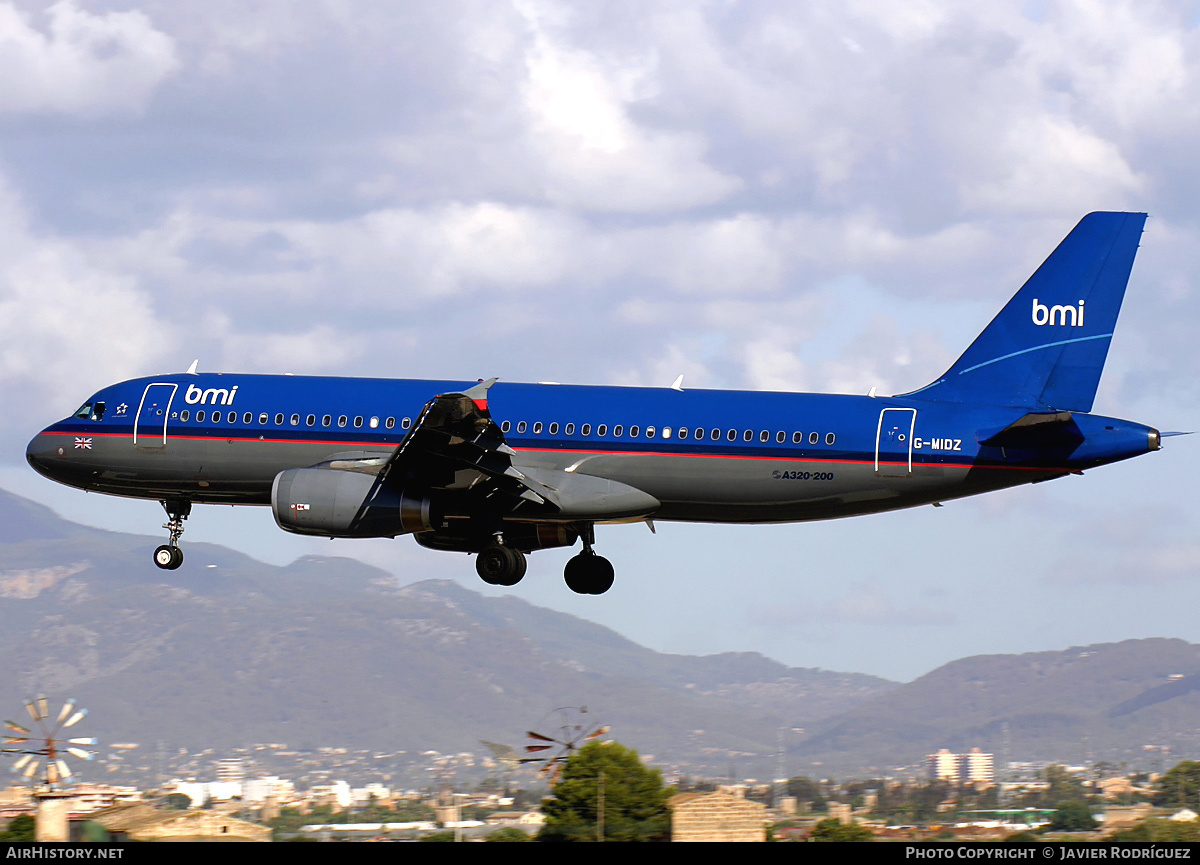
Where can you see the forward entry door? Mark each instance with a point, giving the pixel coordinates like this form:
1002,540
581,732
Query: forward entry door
150,425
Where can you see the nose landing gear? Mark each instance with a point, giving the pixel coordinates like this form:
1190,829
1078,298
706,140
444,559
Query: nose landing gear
169,556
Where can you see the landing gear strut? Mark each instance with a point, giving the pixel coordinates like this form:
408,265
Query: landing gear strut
499,565
169,556
588,573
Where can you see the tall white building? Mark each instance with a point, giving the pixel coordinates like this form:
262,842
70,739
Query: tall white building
974,767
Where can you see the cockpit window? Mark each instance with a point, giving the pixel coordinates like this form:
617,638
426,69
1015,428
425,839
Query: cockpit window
91,411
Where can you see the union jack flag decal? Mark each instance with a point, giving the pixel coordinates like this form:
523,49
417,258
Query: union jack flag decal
83,444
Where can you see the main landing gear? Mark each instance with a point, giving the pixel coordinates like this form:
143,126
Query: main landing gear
169,556
499,565
586,573
589,574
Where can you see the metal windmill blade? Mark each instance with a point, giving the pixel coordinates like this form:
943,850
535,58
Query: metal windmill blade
42,748
573,731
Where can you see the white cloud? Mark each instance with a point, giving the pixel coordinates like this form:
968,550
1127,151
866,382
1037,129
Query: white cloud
66,325
594,156
82,64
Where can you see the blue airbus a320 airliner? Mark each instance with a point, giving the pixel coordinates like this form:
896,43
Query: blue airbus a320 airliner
500,470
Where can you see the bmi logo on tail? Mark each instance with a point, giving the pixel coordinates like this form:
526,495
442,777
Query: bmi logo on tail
1057,315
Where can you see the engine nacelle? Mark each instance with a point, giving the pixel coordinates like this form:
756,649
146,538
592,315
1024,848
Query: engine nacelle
334,503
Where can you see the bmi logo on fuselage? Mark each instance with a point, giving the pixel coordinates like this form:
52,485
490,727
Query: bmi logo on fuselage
209,396
1057,315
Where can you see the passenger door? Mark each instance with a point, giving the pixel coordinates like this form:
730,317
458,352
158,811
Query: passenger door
150,425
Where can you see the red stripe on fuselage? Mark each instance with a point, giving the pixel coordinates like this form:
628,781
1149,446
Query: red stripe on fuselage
581,451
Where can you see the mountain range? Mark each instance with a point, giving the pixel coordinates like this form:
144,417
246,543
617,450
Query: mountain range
229,651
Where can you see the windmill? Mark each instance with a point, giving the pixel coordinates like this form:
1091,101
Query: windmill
574,729
43,747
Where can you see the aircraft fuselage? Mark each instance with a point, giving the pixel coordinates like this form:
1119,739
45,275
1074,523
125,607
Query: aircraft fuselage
712,456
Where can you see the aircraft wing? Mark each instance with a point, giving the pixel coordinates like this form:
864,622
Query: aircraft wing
456,446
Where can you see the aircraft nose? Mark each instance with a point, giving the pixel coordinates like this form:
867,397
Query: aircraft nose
42,454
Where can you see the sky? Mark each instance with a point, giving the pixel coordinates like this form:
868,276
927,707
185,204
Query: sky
758,195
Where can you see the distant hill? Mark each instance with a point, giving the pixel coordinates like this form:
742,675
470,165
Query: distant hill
229,651
1117,701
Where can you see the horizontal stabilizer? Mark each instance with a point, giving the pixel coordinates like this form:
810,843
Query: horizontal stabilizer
1037,429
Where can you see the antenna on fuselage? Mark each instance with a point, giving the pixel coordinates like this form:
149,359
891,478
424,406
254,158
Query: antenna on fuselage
678,384
191,370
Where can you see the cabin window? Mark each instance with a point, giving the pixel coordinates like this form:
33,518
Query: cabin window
406,423
781,437
311,420
537,426
248,418
521,426
358,420
554,428
650,432
200,415
326,420
570,430
830,438
602,430
797,437
634,430
262,418
715,435
764,436
732,435
374,423
183,415
390,422
279,419
586,429
683,432
813,438
618,430
505,427
295,420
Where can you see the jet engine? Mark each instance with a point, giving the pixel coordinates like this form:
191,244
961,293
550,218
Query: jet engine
335,503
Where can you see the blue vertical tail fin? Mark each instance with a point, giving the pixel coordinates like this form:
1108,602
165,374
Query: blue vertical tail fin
1047,347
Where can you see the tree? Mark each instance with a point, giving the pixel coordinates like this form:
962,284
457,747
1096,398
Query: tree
1064,787
605,788
834,829
23,827
507,833
1180,787
1073,816
805,789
